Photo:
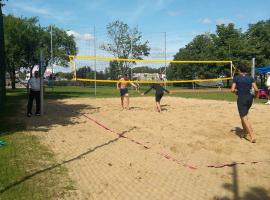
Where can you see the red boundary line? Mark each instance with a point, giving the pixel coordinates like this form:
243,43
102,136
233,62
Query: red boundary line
140,143
169,157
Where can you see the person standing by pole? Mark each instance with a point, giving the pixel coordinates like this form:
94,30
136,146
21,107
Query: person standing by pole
33,90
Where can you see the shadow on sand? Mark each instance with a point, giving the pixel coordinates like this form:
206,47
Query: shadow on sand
81,155
254,193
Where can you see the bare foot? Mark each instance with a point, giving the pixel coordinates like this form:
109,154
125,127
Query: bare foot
252,140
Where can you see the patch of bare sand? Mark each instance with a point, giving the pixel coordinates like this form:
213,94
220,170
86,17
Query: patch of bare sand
197,132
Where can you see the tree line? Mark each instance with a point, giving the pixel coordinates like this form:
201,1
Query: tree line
227,43
25,38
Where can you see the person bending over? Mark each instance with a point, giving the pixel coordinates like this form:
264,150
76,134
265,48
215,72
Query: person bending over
159,93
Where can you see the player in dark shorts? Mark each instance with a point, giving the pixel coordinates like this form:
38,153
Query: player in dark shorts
242,86
123,92
159,93
122,86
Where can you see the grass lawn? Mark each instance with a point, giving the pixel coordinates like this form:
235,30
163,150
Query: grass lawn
24,163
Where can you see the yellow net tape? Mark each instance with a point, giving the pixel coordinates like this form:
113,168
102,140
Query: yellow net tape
159,61
176,81
72,61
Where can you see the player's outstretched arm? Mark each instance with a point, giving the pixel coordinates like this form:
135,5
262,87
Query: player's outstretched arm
233,88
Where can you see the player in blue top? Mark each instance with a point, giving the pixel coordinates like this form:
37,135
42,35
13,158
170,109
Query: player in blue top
242,86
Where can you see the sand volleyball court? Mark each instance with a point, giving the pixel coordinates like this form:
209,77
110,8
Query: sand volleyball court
185,152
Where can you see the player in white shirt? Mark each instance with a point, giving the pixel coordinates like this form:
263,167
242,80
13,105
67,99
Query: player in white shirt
33,90
268,88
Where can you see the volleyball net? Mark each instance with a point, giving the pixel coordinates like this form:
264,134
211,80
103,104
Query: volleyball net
98,69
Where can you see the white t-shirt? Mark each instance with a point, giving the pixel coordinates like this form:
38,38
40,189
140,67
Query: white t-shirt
268,82
34,83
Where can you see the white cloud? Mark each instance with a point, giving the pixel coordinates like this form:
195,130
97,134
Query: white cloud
205,21
161,55
62,16
195,33
223,21
160,3
79,36
32,9
157,49
140,10
240,17
95,4
173,13
137,12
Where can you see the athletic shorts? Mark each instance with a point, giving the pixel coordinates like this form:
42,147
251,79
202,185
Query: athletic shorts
244,103
158,97
123,91
268,92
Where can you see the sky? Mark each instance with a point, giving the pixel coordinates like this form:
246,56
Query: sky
182,20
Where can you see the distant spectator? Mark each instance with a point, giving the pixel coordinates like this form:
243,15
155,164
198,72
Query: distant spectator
50,80
267,83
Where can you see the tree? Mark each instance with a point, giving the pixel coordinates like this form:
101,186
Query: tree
85,72
258,41
63,75
228,43
125,42
202,47
114,71
145,69
25,38
63,46
231,44
14,45
2,60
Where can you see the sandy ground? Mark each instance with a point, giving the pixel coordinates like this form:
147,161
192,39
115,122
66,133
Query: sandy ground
190,132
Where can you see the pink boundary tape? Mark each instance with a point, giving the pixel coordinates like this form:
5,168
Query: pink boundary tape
169,157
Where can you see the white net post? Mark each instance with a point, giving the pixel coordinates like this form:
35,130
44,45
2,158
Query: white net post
41,84
231,66
51,60
165,56
95,61
253,68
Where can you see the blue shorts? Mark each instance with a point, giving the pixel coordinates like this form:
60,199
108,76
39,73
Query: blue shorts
244,103
123,92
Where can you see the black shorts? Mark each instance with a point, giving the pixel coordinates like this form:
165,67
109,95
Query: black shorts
123,91
244,103
158,97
